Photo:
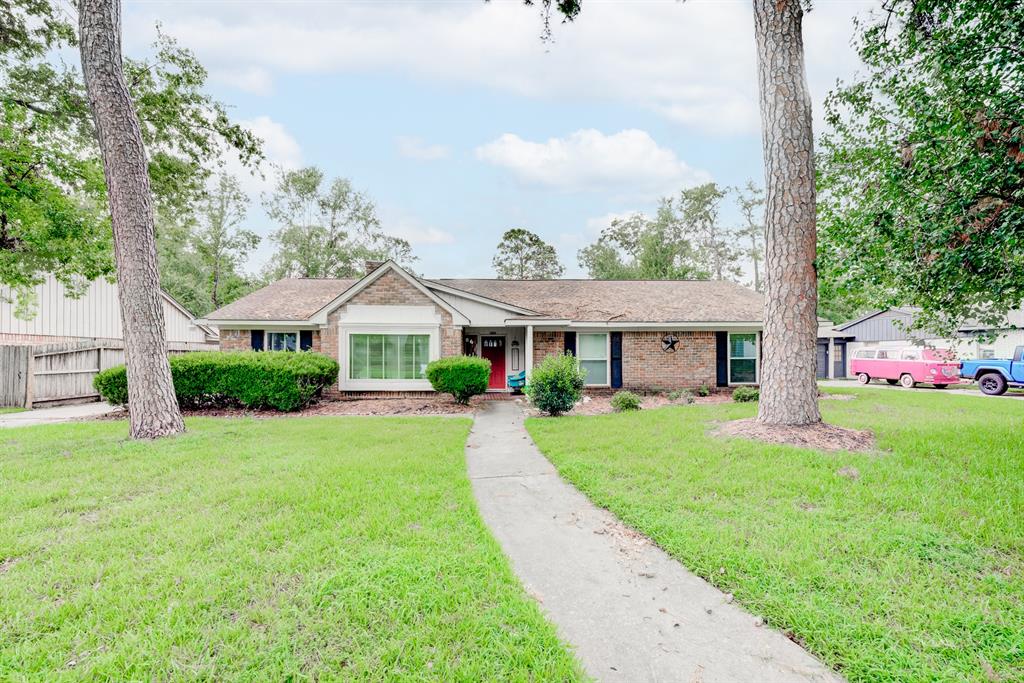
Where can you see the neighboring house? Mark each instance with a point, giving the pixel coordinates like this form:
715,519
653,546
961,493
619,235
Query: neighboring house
888,329
385,327
832,351
94,316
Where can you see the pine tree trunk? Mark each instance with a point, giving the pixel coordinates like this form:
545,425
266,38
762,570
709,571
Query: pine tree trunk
789,392
153,408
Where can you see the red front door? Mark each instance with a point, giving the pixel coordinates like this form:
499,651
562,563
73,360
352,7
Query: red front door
493,349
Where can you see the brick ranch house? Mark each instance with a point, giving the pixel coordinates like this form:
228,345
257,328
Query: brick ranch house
385,327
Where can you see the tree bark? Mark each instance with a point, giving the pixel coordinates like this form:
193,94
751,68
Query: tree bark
789,391
152,406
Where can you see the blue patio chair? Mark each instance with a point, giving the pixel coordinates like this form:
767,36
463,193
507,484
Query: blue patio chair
517,381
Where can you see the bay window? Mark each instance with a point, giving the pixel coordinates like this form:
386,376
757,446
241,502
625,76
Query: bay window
592,352
743,358
388,356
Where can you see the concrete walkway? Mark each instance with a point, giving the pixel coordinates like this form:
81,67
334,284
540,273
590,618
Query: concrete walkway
41,416
631,612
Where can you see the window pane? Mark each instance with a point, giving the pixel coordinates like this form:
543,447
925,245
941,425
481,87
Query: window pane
422,355
376,355
743,345
392,351
743,370
358,366
592,346
282,341
596,371
408,344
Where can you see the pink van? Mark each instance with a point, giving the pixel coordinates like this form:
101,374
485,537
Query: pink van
907,366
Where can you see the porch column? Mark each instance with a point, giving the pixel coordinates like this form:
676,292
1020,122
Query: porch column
529,351
831,358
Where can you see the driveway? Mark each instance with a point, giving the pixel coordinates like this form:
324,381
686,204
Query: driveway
853,384
631,612
42,416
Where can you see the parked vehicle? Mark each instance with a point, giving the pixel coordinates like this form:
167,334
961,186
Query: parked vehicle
994,376
906,367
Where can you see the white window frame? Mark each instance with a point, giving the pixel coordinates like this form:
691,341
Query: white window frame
607,357
348,329
756,359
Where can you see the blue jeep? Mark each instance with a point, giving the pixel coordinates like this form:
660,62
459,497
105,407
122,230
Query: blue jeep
995,376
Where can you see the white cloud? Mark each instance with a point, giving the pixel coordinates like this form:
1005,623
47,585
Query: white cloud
281,149
255,80
397,223
626,163
415,148
693,62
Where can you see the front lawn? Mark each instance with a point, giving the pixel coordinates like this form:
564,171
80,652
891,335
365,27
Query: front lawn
4,411
284,549
901,565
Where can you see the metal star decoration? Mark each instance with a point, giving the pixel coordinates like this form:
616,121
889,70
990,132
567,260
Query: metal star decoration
668,343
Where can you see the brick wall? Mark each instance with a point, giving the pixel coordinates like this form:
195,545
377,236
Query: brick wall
547,344
241,340
391,289
645,366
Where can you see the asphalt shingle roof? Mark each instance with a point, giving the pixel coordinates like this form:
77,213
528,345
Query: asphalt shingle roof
624,300
578,300
289,299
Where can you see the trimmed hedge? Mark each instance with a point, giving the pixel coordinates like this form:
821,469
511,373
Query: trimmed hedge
624,401
284,380
556,385
461,376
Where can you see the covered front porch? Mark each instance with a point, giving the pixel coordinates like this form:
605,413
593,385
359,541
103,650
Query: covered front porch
509,349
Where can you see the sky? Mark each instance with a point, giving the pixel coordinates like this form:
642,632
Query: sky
460,123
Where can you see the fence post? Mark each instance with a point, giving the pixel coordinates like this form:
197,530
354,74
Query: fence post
30,374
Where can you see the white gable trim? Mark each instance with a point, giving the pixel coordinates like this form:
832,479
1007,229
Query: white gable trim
478,298
389,266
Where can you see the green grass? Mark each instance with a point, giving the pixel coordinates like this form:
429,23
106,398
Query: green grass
257,550
4,411
913,571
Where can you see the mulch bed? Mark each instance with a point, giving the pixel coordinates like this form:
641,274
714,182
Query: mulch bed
368,406
821,436
601,405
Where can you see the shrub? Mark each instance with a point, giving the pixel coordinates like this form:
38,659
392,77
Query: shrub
704,390
556,385
283,380
684,395
623,401
745,394
461,376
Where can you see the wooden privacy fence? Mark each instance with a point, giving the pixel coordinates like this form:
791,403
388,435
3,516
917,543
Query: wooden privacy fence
55,373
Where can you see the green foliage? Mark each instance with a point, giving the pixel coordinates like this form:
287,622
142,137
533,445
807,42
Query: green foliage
283,380
703,390
855,555
247,546
556,384
684,395
684,240
326,230
53,206
523,255
201,257
461,376
922,171
750,202
745,394
624,401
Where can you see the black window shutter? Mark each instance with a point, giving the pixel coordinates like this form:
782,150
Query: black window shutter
305,340
570,343
256,340
616,343
722,358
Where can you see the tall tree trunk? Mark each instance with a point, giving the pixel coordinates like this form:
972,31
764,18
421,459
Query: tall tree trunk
153,408
789,392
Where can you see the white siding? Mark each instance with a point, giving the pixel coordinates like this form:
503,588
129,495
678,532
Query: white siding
479,314
95,314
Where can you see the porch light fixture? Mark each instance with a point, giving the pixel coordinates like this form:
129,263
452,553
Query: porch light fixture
515,354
